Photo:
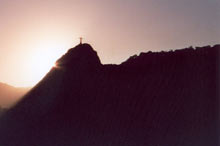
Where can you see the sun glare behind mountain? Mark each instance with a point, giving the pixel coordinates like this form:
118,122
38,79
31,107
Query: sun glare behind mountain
43,58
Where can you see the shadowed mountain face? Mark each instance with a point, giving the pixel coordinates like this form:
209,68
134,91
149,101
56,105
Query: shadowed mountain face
9,95
154,99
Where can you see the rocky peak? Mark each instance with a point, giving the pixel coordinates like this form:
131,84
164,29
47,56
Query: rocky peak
81,55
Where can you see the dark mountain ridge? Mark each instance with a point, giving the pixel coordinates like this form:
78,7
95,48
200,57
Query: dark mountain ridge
167,98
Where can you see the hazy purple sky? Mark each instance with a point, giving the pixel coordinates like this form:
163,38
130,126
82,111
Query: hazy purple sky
33,33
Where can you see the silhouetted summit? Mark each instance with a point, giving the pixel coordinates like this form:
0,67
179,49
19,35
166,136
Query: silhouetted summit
81,55
154,99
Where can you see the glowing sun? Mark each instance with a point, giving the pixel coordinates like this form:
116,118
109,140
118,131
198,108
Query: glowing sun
43,58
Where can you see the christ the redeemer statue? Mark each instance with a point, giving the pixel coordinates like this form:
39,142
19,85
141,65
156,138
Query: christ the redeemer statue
80,40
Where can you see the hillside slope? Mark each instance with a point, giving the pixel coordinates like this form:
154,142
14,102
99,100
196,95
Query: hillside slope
167,98
9,94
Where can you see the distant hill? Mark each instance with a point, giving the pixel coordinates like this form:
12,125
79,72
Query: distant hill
9,94
154,99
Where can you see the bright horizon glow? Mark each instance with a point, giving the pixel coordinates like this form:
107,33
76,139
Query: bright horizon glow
43,60
37,61
40,59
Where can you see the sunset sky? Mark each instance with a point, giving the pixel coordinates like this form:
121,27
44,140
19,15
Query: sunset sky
34,33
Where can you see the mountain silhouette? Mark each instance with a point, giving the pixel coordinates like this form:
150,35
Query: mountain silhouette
156,98
9,94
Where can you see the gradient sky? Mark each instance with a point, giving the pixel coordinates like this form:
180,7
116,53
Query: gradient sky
34,33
